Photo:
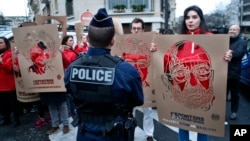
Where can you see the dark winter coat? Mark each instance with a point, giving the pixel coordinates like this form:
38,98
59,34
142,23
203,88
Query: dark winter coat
239,46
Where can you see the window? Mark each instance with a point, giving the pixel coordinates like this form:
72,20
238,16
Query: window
129,4
69,8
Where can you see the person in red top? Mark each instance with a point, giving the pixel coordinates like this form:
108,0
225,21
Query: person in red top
68,53
83,45
188,69
58,102
141,61
68,56
8,98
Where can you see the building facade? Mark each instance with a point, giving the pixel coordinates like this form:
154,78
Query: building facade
244,18
151,11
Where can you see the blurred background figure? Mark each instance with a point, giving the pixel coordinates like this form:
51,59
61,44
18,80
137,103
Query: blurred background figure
238,47
82,45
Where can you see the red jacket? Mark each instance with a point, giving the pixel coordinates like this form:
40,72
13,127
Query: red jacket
7,81
83,48
68,56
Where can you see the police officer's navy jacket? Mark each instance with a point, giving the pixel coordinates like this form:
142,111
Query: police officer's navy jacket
127,85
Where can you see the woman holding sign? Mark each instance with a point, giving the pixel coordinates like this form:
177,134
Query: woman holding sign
187,56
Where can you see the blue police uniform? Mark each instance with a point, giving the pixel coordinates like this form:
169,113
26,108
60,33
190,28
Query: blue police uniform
126,87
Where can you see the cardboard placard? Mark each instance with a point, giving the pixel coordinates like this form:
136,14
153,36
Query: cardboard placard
21,95
79,31
190,85
39,60
61,19
118,26
135,48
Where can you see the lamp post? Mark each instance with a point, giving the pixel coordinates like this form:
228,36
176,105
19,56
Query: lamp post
166,14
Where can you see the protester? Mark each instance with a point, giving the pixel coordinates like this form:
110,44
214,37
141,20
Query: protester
137,26
56,101
42,110
58,110
68,56
193,23
104,103
82,45
37,105
68,53
8,97
238,48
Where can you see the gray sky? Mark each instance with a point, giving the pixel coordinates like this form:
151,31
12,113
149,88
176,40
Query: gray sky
207,6
13,7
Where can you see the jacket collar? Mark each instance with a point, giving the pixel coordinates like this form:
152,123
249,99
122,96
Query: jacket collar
197,31
94,51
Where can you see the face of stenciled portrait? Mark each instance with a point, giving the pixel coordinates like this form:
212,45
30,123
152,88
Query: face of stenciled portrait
140,62
190,76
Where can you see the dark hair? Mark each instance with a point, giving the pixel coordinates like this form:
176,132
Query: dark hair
203,25
100,36
165,31
65,39
6,41
137,20
42,45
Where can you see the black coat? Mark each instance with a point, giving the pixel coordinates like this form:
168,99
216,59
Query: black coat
239,46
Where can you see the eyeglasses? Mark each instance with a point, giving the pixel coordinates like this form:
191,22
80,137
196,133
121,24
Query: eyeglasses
136,28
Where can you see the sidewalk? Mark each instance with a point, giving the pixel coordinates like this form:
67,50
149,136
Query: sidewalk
27,132
71,136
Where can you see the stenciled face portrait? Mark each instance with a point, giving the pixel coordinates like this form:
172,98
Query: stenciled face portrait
189,75
140,62
139,57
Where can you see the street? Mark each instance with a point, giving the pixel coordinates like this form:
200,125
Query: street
27,132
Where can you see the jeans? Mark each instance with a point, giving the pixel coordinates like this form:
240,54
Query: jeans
184,136
148,124
58,113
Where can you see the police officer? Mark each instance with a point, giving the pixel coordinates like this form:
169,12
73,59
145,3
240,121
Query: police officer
105,88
